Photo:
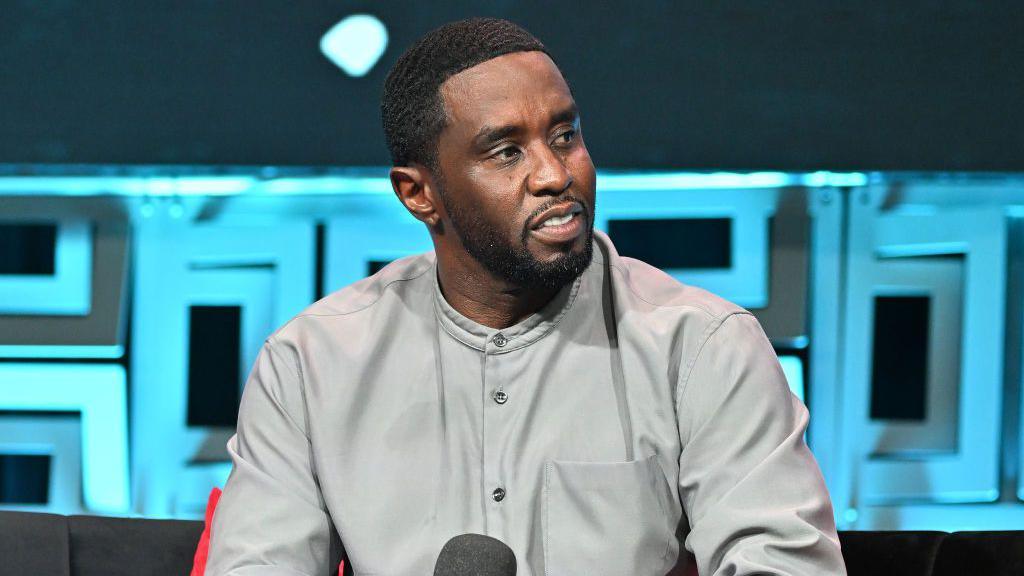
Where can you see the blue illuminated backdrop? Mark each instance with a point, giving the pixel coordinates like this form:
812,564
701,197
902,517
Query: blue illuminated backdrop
818,257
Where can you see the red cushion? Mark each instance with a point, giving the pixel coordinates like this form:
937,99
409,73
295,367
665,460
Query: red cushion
203,549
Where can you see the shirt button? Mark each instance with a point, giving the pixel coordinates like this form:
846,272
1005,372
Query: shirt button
500,396
498,494
499,340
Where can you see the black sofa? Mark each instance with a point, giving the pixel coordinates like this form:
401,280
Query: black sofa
33,544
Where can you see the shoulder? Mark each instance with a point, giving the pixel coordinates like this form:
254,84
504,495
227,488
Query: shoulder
658,289
672,321
360,301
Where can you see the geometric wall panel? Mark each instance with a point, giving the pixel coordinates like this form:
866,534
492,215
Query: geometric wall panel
899,357
956,259
657,241
1014,430
360,242
786,318
903,354
24,478
738,219
67,290
27,249
827,210
901,288
378,230
260,276
96,391
58,438
213,391
100,332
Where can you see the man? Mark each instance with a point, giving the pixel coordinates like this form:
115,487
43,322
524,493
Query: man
523,380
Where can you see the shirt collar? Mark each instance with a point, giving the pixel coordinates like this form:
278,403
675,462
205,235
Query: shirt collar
486,339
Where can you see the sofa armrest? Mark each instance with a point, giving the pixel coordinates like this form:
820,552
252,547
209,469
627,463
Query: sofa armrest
33,543
879,553
132,546
984,553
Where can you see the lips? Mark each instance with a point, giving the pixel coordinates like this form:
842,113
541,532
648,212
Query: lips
556,212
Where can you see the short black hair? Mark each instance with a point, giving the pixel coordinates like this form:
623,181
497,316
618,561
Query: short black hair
412,108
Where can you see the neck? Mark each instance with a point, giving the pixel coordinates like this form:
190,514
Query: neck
478,295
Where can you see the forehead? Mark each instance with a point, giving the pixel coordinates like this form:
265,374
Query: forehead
509,89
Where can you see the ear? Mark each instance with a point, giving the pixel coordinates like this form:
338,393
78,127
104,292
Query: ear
415,189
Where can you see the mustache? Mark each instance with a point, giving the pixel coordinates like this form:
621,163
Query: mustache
555,202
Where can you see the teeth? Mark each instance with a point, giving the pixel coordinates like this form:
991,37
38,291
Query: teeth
557,221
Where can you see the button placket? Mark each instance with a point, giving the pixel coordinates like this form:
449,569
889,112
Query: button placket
499,395
496,430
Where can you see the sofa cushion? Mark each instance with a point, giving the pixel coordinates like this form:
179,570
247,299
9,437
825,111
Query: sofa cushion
33,543
203,548
130,546
890,553
982,553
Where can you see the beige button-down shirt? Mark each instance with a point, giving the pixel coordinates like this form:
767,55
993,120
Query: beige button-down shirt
631,417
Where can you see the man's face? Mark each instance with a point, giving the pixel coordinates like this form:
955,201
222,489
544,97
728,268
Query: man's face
516,181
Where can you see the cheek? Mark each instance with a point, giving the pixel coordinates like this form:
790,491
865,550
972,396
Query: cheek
582,169
497,202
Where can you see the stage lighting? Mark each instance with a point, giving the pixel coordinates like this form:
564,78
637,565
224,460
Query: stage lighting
355,43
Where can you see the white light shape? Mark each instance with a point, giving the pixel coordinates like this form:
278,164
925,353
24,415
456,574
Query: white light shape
793,368
355,43
99,393
334,184
60,351
66,292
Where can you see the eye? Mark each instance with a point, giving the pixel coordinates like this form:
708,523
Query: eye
566,137
506,154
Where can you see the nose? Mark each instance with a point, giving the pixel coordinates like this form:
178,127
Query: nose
548,176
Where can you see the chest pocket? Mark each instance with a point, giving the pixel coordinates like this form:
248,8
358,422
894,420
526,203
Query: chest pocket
607,519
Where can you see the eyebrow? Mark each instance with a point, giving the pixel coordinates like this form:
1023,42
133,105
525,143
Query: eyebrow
569,115
488,135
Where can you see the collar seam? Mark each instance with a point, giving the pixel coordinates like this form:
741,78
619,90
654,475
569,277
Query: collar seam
577,284
444,326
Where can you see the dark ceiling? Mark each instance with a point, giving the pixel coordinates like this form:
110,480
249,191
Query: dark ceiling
662,85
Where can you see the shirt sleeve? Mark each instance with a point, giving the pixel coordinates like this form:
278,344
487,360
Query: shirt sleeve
271,519
752,491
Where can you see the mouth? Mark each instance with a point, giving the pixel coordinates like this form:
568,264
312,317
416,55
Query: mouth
559,224
557,215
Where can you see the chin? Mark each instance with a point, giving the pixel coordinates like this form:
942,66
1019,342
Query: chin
565,265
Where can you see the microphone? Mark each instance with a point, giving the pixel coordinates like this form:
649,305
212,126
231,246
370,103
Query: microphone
475,555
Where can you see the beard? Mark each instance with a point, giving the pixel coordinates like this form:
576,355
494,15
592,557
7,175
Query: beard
512,261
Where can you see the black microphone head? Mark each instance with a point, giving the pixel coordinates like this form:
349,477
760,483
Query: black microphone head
475,555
